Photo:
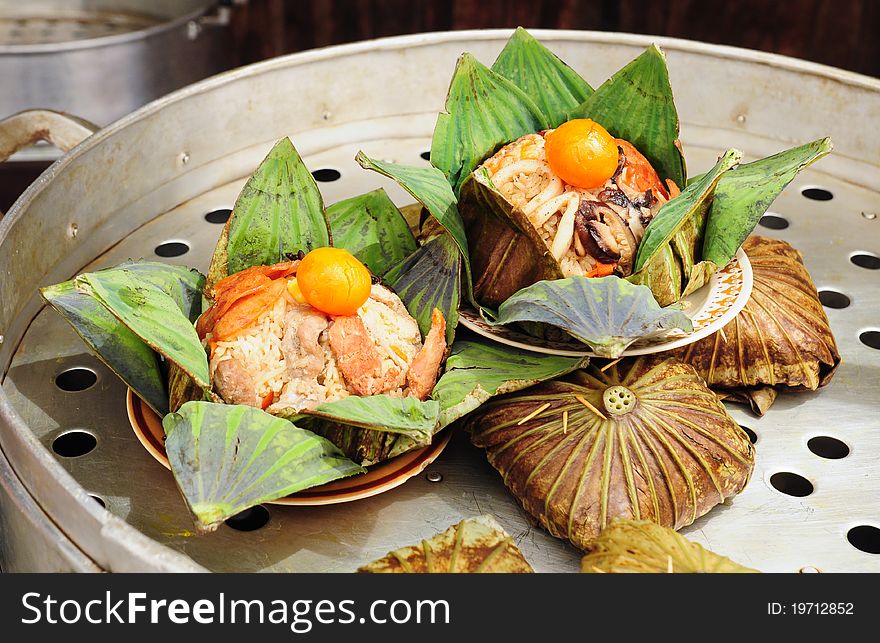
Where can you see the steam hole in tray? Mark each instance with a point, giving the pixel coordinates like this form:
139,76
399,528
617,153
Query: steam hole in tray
817,194
865,537
773,222
833,299
75,443
172,249
865,260
791,484
326,174
871,339
249,519
76,379
218,216
825,446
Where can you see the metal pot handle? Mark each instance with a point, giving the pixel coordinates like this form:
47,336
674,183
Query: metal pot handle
26,128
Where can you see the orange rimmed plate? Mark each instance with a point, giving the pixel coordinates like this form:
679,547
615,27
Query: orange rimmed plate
379,478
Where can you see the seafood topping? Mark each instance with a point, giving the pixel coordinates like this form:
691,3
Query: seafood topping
272,348
590,196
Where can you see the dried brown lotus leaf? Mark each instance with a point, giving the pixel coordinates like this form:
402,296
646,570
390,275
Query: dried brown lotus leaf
663,449
475,545
643,547
780,339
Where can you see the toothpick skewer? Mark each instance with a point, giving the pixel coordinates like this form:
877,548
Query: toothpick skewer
590,406
540,409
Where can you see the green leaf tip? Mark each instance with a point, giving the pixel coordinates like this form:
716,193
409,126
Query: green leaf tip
555,87
478,370
637,104
279,212
227,458
606,313
483,110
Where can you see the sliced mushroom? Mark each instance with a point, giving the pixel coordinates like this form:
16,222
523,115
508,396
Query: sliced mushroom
628,211
625,241
594,233
615,196
634,222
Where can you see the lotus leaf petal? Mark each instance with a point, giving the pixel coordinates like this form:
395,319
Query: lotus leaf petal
781,340
475,545
226,458
371,228
608,314
554,86
483,111
279,213
643,547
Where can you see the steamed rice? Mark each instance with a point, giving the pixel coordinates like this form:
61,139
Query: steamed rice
259,350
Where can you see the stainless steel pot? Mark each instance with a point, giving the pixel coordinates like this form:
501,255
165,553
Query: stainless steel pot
101,59
151,178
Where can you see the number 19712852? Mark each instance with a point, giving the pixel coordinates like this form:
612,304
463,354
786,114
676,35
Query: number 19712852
803,609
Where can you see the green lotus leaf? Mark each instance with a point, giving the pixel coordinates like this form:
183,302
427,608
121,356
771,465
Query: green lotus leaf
430,278
118,347
744,194
227,458
476,545
371,228
404,415
636,104
184,285
554,86
608,313
644,547
152,315
476,371
680,223
429,187
363,446
679,210
484,110
663,276
278,213
371,429
182,388
126,354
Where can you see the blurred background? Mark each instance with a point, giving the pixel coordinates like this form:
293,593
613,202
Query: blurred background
842,33
101,59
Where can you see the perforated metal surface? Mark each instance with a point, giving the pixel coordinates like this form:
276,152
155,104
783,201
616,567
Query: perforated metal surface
763,527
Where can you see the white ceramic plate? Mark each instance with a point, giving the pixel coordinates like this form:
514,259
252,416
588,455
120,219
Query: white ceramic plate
710,309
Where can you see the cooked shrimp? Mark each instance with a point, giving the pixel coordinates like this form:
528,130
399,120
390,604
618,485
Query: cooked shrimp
422,374
359,359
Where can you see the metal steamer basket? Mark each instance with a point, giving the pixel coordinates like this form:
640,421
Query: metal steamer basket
77,490
101,59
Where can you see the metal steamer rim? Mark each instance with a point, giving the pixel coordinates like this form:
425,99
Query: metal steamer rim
802,507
